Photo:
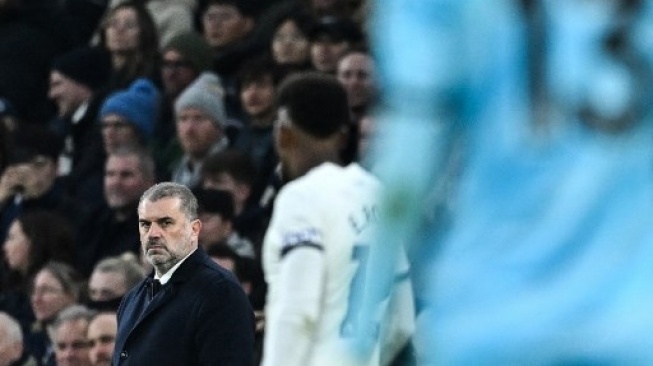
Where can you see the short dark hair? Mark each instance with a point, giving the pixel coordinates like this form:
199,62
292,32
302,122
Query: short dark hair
234,162
188,204
316,103
215,201
244,268
257,69
247,8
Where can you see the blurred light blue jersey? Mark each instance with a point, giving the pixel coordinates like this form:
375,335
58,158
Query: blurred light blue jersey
546,253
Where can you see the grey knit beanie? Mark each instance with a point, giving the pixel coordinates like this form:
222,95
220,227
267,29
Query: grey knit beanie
206,94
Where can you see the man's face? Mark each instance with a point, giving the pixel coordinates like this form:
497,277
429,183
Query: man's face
71,344
176,73
117,132
124,182
257,97
35,177
102,338
226,182
67,94
214,229
167,235
326,52
196,132
224,24
103,286
356,74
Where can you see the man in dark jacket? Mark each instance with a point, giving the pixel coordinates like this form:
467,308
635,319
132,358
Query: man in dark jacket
189,311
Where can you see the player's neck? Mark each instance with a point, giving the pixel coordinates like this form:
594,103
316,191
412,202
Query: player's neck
310,161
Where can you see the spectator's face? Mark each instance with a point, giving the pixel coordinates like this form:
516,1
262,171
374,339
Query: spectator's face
70,343
224,25
167,235
289,44
48,296
117,132
104,286
257,97
214,229
67,94
123,31
17,247
36,176
226,182
326,52
9,351
196,131
176,73
102,339
356,74
124,182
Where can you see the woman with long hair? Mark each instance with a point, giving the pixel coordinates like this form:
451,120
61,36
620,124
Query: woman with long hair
128,32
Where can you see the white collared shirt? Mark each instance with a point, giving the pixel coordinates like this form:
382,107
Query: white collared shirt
166,276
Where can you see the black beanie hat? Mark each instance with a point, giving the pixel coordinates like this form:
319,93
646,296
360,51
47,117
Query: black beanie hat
90,66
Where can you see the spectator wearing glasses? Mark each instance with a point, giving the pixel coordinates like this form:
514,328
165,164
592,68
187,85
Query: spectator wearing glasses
185,57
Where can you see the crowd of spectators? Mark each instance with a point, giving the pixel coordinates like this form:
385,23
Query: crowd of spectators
101,99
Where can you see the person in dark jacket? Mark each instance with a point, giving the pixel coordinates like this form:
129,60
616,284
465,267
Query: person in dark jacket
189,311
32,34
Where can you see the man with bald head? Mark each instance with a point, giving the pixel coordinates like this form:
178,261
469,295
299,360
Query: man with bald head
12,350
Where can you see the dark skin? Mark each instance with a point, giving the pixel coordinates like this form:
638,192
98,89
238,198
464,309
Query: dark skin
300,152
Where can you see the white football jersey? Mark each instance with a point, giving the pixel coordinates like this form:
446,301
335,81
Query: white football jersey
332,209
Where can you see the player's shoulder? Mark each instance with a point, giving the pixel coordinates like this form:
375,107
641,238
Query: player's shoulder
331,177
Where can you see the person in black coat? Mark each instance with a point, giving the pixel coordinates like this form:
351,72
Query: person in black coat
189,311
32,34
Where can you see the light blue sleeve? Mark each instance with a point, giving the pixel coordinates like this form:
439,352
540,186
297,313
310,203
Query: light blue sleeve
545,257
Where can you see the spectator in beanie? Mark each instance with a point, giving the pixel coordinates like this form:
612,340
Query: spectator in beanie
127,118
185,57
201,118
77,82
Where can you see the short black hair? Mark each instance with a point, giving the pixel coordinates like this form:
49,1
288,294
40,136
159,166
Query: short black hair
215,201
247,8
257,69
234,162
316,103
